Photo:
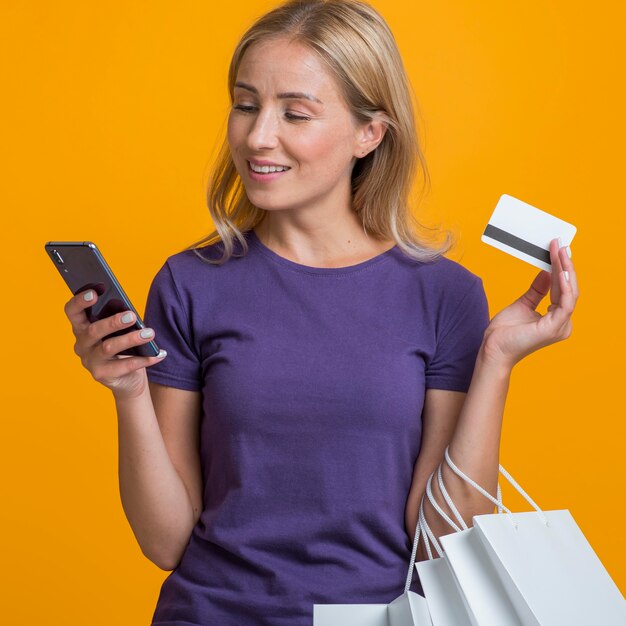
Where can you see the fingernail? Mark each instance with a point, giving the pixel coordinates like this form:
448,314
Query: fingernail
162,353
566,274
88,296
146,332
560,243
127,318
569,252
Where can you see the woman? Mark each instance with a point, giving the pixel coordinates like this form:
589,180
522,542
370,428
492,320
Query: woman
320,357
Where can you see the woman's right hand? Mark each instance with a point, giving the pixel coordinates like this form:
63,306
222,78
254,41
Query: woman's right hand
124,375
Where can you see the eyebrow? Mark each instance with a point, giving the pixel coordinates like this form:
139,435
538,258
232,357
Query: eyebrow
289,95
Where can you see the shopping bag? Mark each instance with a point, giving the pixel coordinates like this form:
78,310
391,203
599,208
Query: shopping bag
446,603
545,565
486,599
357,614
409,609
461,586
550,571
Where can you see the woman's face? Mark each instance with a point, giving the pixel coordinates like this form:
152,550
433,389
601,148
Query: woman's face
288,115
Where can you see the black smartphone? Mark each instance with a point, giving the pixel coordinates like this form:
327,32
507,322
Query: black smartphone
83,267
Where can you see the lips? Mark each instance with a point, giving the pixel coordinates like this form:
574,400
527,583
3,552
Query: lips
265,172
266,167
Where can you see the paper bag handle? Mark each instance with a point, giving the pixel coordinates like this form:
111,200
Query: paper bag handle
422,527
487,495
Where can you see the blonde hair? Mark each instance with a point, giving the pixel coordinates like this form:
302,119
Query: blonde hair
359,48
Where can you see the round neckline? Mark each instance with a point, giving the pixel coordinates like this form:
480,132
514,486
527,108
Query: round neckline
309,269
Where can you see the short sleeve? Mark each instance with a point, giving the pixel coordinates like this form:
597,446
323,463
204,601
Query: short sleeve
452,365
165,313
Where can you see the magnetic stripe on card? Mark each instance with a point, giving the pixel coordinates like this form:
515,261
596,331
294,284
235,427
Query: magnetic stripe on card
516,242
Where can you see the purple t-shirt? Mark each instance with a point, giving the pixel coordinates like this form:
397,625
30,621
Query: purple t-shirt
313,384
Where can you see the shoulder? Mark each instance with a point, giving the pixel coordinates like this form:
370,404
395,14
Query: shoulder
442,277
443,290
194,258
197,262
193,275
449,272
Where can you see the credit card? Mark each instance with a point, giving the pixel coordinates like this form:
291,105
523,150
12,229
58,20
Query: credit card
525,232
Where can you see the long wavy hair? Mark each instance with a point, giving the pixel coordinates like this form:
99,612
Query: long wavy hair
358,47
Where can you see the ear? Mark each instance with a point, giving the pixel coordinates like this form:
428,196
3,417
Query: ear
369,135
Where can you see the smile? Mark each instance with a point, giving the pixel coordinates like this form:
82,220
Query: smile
267,169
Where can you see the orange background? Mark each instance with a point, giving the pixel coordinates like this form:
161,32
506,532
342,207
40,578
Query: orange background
113,111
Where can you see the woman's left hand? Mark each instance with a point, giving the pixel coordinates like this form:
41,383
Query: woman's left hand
519,329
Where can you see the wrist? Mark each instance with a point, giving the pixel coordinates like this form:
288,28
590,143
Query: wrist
126,397
493,361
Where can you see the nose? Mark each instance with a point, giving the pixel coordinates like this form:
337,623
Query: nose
263,133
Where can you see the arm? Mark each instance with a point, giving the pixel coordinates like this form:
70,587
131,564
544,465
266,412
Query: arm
471,424
159,466
159,469
475,438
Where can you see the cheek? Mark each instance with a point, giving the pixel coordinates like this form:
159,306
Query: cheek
234,132
328,151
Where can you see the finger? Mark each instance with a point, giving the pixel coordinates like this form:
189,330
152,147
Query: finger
116,368
113,346
568,265
538,290
561,314
75,310
108,325
555,289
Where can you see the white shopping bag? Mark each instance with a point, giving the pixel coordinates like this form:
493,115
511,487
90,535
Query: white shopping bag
409,609
446,603
462,587
357,614
486,598
545,565
549,570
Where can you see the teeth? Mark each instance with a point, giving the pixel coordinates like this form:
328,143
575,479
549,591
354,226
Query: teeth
268,169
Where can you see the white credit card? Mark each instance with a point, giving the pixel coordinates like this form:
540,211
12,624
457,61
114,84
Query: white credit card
525,232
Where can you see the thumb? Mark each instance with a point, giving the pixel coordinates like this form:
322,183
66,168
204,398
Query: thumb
538,290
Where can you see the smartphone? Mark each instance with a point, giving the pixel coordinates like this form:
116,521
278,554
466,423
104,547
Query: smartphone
83,267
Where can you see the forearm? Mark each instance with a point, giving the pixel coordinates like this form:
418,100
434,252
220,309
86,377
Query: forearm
155,500
474,448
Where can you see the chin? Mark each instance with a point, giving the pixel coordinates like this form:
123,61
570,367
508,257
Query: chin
270,208
261,201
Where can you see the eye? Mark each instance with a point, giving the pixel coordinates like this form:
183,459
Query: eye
296,118
245,108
